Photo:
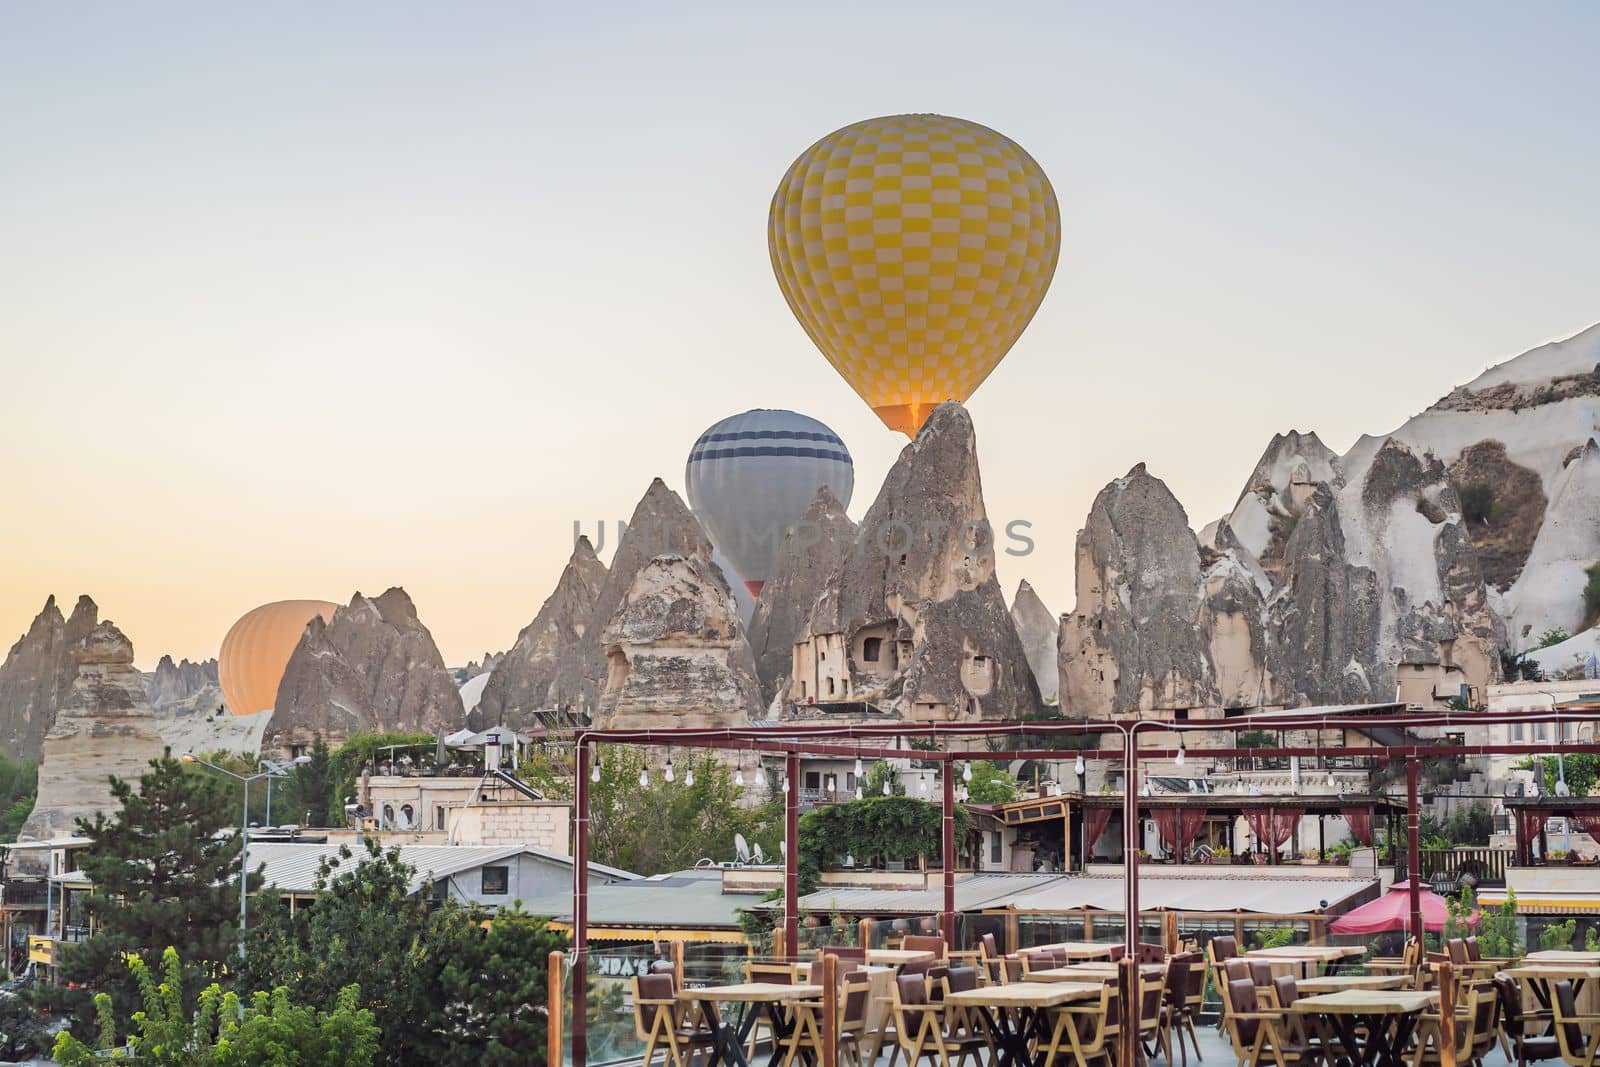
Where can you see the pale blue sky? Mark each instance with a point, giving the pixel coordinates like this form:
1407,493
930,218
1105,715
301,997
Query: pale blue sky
295,301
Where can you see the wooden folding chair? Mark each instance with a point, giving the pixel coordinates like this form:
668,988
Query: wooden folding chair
1578,1035
775,974
920,1026
1082,1034
1257,1034
658,1021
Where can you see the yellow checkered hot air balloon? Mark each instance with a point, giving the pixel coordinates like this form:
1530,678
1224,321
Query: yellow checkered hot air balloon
914,249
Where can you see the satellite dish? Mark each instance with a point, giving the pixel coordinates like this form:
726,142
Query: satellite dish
755,851
741,849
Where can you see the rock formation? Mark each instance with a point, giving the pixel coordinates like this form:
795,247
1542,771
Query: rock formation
661,525
38,673
373,667
520,684
676,652
104,728
183,688
912,623
1040,634
1503,536
811,550
1133,643
1549,593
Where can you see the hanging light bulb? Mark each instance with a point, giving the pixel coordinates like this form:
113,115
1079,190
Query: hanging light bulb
1078,765
688,778
886,789
594,773
922,786
667,774
1182,754
858,792
858,766
738,776
966,773
644,778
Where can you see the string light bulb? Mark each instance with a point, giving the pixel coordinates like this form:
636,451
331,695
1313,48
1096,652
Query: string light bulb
966,772
1078,765
667,774
594,773
886,788
644,778
688,778
858,767
858,792
738,776
922,786
1182,754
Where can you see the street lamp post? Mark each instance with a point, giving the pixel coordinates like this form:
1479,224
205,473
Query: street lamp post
278,770
274,770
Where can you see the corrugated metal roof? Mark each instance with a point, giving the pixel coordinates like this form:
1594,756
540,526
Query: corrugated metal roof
293,867
1287,896
1057,892
685,899
972,894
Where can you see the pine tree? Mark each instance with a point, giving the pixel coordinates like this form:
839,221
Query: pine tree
308,792
492,987
165,872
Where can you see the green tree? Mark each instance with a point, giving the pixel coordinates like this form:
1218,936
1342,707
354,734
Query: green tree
366,928
666,826
874,829
991,784
19,788
492,987
222,1031
1553,636
165,872
345,764
1582,770
308,791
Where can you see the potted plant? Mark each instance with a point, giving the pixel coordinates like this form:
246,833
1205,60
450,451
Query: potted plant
1223,853
1310,857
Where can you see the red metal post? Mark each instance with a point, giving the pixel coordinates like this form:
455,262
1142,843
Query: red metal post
1131,833
791,856
580,906
1414,849
947,916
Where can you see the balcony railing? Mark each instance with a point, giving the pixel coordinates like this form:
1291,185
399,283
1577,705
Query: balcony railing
1449,868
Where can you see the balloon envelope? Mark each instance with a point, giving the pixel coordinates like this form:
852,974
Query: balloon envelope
914,249
750,477
257,649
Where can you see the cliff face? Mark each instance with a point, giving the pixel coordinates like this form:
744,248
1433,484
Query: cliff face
38,673
912,623
676,652
104,728
521,683
1040,633
811,550
661,525
184,688
373,667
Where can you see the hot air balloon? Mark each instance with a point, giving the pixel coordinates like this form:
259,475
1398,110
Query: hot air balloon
914,249
257,649
751,476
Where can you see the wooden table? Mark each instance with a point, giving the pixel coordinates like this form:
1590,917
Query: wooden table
1091,972
752,997
1563,956
1389,1017
1540,977
1075,950
898,957
1013,1014
1333,983
1307,957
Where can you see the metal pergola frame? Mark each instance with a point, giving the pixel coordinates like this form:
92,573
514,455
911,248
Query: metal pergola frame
876,741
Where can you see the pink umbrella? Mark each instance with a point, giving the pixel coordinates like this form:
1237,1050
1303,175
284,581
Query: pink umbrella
1392,911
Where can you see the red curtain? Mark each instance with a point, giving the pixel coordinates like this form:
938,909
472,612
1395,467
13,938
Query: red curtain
1590,821
1360,823
1529,823
1272,830
1179,827
1094,824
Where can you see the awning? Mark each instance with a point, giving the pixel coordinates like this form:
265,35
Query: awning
1240,892
622,933
1535,904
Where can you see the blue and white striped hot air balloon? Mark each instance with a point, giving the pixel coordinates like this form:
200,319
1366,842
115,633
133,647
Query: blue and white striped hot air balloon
751,476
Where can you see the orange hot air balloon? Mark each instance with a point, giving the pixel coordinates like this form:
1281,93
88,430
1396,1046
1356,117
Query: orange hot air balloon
257,649
914,249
